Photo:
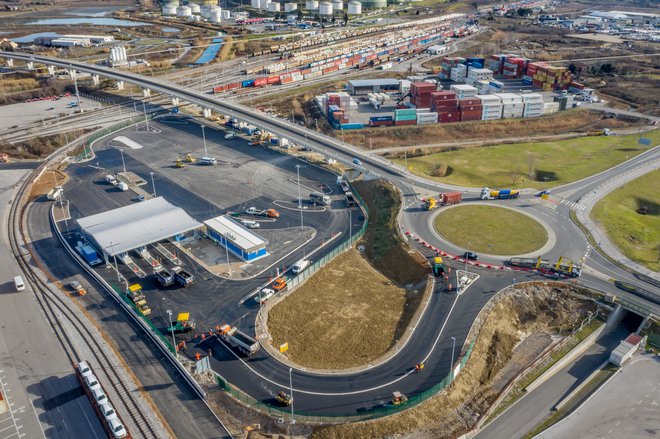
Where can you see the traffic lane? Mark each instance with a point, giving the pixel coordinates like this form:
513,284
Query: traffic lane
186,414
19,165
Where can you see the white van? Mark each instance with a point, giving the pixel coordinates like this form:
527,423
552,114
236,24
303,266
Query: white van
300,266
230,136
208,161
251,224
111,179
18,283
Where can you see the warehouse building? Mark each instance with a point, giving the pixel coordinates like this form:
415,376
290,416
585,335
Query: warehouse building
73,40
366,86
239,240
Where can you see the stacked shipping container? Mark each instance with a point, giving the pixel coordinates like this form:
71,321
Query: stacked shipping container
463,91
448,63
406,116
512,105
470,108
491,107
533,105
420,93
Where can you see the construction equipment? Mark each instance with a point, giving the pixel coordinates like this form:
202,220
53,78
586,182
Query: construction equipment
284,398
179,163
438,268
399,398
77,288
55,193
238,339
137,297
430,204
164,277
182,277
183,324
563,266
189,158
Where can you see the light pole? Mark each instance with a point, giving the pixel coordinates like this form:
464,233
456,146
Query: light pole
123,164
114,255
153,185
453,346
293,421
146,119
206,154
227,251
169,313
350,227
299,199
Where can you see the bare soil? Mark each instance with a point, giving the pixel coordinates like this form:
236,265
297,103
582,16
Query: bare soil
326,320
48,180
528,312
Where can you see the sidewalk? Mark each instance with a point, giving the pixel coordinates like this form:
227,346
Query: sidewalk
599,235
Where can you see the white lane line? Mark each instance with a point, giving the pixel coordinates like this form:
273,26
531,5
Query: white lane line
356,392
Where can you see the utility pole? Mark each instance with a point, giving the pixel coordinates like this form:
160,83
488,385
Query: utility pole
206,153
146,119
453,346
169,313
153,185
123,164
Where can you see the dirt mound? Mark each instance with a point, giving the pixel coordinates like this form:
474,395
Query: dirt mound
516,315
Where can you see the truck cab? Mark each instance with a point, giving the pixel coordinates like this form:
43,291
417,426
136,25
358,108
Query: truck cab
319,198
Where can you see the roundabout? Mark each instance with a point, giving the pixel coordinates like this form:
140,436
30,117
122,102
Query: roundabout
492,230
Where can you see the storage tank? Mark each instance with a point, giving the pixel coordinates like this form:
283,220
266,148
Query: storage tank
216,16
337,5
169,10
325,8
183,11
263,4
254,4
374,4
288,7
195,8
354,7
226,14
274,7
311,5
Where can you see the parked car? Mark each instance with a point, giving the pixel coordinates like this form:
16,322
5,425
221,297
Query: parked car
251,211
264,295
357,161
118,430
92,383
84,369
108,411
99,396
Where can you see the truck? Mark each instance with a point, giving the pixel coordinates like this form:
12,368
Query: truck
563,266
88,253
350,199
450,198
430,203
164,277
122,186
55,193
239,340
343,185
270,213
319,198
499,194
182,277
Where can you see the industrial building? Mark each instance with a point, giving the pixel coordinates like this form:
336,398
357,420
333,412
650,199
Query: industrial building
236,238
116,232
366,86
74,40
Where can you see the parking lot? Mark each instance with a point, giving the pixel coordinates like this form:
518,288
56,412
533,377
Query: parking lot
26,113
245,176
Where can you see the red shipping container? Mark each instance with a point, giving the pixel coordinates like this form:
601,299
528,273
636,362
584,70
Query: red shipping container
422,101
287,80
443,95
469,101
260,82
470,115
275,79
472,108
219,88
405,122
417,88
233,85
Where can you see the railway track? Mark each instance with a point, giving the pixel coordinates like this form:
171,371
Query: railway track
57,310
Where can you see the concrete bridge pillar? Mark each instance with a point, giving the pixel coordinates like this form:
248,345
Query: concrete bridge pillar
208,113
120,85
95,80
30,65
10,62
72,74
615,317
51,70
146,92
175,102
643,324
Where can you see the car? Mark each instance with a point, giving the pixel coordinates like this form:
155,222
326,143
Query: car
543,192
99,396
357,161
251,224
84,369
107,411
118,430
252,211
140,197
230,136
279,284
299,266
264,295
92,383
471,256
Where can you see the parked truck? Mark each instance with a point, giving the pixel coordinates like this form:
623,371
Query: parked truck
499,194
164,277
55,193
343,185
239,340
450,198
350,199
182,277
88,253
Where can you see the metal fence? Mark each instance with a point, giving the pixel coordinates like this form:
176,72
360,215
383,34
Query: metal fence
389,409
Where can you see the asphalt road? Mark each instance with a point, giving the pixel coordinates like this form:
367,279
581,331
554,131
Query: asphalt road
38,381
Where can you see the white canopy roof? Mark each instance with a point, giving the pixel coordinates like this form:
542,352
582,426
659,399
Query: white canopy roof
126,228
236,233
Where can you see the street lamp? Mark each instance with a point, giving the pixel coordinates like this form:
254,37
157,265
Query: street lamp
451,364
153,185
206,154
169,313
293,421
146,119
123,164
299,199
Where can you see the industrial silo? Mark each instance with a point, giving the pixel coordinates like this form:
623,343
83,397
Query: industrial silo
169,9
312,5
354,7
183,11
325,9
337,5
373,4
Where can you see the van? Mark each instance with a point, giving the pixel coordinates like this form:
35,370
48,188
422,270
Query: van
230,136
251,224
111,179
300,266
18,283
122,186
319,198
208,161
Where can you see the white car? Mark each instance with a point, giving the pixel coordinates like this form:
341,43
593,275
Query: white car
108,411
92,383
300,266
84,369
264,295
251,224
252,211
230,136
118,430
99,396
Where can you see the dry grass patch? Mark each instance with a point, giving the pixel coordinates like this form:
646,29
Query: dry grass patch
327,320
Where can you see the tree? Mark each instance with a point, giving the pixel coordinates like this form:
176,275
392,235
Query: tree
300,14
345,18
607,69
572,68
524,12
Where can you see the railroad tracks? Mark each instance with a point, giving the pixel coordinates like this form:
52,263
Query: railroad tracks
58,310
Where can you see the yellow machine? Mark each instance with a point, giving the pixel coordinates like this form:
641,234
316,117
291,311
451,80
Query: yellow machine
284,398
179,163
189,158
430,204
399,398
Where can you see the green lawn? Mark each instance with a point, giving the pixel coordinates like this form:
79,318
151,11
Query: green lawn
491,230
636,234
510,165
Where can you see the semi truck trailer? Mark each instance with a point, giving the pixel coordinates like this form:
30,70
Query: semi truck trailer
239,340
499,194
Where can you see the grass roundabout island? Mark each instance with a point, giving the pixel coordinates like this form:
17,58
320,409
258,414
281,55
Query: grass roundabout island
490,229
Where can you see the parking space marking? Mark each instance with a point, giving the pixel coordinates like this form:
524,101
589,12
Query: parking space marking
14,420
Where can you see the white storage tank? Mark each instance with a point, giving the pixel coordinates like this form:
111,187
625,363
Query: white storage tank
311,5
216,15
354,7
183,11
274,7
254,4
169,10
325,8
195,8
337,5
263,4
288,7
226,14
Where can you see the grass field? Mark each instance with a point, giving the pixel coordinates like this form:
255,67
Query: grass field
491,230
527,164
631,217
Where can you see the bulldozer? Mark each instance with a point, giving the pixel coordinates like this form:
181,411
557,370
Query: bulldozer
399,398
284,398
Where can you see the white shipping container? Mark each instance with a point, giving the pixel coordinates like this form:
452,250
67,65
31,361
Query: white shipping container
491,116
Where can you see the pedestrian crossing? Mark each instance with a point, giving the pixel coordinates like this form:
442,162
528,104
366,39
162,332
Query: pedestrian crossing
572,204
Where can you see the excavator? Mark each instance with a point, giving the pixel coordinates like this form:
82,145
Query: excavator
179,163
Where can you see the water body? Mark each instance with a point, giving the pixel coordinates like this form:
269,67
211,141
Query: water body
30,38
89,20
94,11
210,52
170,29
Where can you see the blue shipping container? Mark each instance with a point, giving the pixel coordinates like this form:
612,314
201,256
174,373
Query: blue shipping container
248,83
380,118
527,81
352,126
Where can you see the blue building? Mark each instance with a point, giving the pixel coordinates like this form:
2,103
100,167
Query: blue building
236,238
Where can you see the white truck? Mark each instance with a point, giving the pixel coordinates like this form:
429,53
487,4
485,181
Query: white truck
55,193
239,340
122,186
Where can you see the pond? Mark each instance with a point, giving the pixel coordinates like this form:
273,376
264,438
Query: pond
89,20
30,38
170,29
210,52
